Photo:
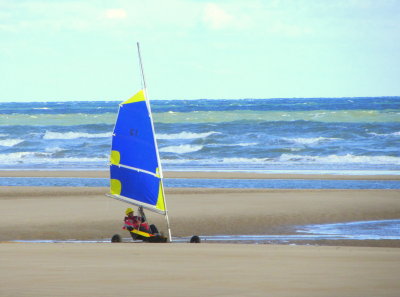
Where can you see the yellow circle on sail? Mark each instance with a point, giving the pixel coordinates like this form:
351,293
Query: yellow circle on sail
115,187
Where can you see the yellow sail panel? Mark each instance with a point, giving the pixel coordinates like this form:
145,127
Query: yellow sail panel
139,96
160,200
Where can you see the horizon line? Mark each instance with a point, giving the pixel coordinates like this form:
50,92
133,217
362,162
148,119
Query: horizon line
194,99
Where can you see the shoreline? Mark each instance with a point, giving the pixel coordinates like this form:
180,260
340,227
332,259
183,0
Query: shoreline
198,175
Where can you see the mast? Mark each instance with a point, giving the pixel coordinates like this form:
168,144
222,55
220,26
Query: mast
155,141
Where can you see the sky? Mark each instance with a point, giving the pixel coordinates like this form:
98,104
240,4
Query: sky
61,50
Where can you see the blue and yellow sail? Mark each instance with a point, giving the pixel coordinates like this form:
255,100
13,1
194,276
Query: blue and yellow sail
135,171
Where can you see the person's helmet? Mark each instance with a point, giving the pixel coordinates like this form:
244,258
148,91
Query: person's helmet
128,211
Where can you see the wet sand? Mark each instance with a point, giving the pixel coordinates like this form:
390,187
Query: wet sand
207,269
85,213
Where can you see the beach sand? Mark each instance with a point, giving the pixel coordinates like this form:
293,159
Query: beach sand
180,269
197,270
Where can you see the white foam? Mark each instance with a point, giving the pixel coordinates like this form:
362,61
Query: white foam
336,159
185,135
233,144
297,159
309,141
10,142
244,160
248,144
181,149
18,157
44,157
55,149
74,135
386,134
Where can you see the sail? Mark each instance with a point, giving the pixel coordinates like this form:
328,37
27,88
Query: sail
135,174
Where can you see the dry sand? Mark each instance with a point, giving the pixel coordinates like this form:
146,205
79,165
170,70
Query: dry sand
28,269
197,270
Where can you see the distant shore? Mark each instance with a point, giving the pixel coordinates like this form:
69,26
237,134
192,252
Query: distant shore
196,175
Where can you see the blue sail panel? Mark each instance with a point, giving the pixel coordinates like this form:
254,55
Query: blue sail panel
133,137
136,185
135,169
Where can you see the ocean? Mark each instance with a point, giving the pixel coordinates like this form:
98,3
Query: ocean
300,135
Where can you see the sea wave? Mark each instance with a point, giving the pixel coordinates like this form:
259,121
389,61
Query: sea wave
74,135
186,135
181,149
345,116
10,142
63,119
349,116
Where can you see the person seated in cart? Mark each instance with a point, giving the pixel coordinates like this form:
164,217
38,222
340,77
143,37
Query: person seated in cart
138,222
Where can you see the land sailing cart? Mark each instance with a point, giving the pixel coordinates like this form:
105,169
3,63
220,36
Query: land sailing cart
136,175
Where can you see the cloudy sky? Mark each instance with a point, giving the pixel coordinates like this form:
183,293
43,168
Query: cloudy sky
86,49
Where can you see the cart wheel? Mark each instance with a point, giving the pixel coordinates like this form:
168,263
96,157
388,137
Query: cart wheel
116,238
195,239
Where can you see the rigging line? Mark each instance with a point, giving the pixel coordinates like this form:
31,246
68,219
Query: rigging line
142,70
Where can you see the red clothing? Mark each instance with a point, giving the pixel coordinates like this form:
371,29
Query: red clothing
136,223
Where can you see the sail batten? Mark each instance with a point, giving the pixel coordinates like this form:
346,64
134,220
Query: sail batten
138,169
136,203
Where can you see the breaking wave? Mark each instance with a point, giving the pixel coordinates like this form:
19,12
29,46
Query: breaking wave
309,141
10,142
74,135
385,134
185,135
181,149
337,159
297,159
45,157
